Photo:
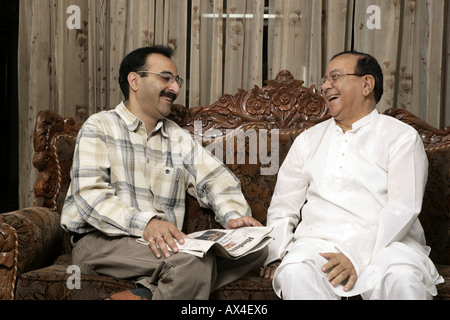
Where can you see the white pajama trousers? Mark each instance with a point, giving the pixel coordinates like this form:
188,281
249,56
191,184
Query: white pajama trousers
301,281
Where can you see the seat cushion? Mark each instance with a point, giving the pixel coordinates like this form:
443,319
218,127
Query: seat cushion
51,283
249,287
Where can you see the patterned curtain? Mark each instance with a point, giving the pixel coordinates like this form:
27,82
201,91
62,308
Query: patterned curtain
410,47
75,71
226,48
223,45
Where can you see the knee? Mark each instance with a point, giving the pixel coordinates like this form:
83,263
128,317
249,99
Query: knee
403,274
298,273
404,279
404,282
192,265
298,281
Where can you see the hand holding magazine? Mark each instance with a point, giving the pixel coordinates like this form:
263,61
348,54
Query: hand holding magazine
228,243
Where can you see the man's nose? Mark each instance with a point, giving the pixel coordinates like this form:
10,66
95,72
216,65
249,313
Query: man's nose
326,86
175,88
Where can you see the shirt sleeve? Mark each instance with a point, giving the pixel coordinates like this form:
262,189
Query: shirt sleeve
287,201
215,186
407,177
91,192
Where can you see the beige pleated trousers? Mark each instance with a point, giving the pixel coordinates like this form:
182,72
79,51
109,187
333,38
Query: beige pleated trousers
180,277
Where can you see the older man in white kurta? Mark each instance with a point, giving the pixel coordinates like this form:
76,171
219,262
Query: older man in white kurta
356,191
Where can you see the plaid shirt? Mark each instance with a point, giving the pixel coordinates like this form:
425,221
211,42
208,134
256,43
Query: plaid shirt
122,177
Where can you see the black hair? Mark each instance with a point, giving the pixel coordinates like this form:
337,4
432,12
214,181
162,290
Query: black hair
136,61
368,65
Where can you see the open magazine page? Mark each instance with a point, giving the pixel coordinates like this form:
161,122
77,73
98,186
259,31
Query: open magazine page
230,243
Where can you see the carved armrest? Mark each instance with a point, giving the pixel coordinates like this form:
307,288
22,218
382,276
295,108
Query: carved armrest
435,215
8,261
29,239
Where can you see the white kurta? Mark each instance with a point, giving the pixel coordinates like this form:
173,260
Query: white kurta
359,193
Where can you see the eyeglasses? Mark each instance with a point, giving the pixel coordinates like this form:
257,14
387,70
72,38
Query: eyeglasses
334,76
166,76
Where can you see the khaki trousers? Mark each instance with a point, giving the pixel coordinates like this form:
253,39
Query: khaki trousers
180,277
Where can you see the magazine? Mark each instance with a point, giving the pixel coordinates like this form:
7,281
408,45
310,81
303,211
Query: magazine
228,243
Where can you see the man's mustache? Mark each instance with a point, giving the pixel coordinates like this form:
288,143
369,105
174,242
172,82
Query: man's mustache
169,95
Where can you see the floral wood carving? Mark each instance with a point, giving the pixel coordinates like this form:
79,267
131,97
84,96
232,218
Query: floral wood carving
50,128
283,103
8,261
431,137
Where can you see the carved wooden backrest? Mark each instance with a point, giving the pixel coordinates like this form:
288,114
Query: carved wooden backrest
275,113
253,131
283,103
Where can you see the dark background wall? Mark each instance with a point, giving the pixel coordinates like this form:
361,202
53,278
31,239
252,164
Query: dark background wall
9,31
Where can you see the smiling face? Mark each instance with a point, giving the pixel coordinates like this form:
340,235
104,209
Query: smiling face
151,95
348,97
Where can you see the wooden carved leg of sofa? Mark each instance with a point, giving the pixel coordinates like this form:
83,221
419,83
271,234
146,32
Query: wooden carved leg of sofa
8,261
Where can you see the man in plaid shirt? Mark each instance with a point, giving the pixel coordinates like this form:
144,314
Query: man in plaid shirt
131,170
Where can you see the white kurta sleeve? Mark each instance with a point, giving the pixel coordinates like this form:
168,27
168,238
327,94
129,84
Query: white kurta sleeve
287,201
407,176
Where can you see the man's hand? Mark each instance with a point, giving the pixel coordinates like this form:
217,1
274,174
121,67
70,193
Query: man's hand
243,222
269,271
340,269
162,234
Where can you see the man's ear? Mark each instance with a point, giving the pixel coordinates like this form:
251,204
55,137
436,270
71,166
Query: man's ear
133,81
369,85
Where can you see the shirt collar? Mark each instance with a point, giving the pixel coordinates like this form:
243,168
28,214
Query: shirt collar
133,123
362,122
366,120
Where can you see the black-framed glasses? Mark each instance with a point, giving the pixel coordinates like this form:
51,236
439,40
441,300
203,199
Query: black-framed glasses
334,76
166,76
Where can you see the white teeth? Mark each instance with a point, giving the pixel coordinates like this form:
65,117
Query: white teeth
332,97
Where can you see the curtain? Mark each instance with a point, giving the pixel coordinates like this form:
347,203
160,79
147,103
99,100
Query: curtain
75,71
410,47
223,45
226,48
115,28
295,32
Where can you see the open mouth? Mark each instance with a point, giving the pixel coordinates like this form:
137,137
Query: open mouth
168,96
332,97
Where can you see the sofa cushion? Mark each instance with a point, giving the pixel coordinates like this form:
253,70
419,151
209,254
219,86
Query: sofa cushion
50,283
249,287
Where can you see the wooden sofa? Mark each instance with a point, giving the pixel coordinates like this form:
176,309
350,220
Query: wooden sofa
35,253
